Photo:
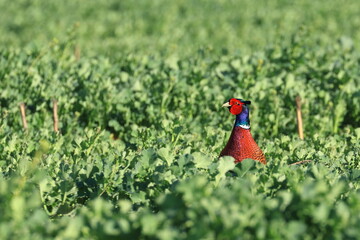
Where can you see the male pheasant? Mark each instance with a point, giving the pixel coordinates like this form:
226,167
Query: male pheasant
241,144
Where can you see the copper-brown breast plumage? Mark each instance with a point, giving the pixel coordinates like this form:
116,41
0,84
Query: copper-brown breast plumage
241,145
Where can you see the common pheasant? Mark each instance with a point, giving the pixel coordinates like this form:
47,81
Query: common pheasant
241,144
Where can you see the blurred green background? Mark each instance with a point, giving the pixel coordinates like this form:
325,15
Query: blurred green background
176,27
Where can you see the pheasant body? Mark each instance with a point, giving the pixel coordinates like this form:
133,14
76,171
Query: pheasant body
241,144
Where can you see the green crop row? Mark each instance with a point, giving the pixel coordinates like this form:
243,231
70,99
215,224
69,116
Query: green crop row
137,91
85,185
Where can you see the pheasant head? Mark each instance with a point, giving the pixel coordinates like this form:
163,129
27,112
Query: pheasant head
241,144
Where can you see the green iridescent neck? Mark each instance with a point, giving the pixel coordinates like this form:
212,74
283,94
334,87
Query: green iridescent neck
242,119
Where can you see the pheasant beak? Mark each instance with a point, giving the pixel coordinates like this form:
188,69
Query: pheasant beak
227,104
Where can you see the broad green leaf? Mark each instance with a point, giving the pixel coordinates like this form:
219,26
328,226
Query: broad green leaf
201,160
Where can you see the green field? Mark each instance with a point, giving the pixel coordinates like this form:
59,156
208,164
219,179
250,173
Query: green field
140,85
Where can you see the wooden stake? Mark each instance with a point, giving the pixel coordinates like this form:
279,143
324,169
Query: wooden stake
23,116
77,52
55,116
299,117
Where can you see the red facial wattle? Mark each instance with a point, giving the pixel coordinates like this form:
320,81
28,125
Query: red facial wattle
235,106
235,109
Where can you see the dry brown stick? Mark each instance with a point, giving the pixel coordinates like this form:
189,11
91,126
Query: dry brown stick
55,115
23,116
300,162
77,52
299,117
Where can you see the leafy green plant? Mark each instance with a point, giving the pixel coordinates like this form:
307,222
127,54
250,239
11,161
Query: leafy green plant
140,132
